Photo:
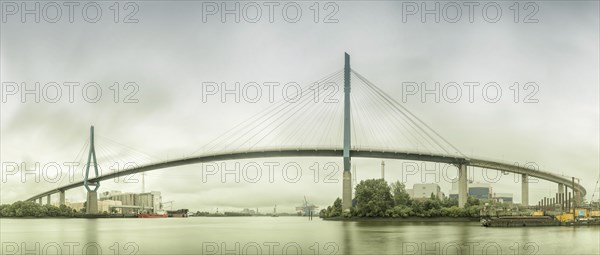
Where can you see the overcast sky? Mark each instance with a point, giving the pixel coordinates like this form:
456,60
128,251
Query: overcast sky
171,51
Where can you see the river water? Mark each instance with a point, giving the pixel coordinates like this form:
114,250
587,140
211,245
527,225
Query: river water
285,235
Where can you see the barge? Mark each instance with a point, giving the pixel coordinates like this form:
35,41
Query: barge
534,221
519,221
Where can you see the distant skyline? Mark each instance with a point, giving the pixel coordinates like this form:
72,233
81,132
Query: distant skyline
171,51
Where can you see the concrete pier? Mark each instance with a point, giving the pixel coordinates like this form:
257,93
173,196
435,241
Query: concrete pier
561,188
347,190
524,190
48,199
462,185
92,203
61,198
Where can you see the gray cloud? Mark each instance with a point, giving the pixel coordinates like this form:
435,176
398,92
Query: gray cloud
170,52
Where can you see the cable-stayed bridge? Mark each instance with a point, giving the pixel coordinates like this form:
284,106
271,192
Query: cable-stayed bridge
342,115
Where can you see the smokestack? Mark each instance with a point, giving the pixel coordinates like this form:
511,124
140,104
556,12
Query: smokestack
569,202
561,198
574,195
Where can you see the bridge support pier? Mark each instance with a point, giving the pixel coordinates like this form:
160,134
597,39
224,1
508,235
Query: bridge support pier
347,190
61,198
524,190
92,202
48,199
561,188
462,185
40,201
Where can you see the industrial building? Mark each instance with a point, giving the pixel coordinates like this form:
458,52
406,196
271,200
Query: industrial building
477,190
506,198
424,191
115,201
103,206
482,191
150,202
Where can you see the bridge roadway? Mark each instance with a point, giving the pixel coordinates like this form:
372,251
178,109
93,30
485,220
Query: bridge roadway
329,152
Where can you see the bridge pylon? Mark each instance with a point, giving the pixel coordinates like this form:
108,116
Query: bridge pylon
347,178
92,196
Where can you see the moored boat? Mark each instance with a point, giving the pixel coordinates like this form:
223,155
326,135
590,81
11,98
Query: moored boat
181,213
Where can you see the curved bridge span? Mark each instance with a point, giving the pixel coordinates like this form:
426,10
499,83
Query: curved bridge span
331,152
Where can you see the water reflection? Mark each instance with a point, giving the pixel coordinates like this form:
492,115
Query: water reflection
267,235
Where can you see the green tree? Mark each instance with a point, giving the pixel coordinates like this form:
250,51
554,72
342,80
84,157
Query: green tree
52,211
431,204
472,201
449,202
401,197
323,213
418,208
7,211
373,198
453,211
66,211
400,211
336,210
472,211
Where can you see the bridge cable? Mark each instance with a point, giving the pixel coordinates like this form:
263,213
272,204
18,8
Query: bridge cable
252,121
394,102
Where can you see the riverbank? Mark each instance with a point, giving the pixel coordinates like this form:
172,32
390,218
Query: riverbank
77,216
117,216
406,219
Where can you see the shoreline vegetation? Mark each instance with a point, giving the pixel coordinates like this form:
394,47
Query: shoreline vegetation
407,219
27,209
375,200
33,210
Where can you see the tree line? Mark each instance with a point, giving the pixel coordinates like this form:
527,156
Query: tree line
32,209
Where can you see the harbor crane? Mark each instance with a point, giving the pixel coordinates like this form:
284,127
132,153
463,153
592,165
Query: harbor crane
306,208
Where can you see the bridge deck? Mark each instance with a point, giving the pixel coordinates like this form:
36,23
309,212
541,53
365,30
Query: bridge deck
329,153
